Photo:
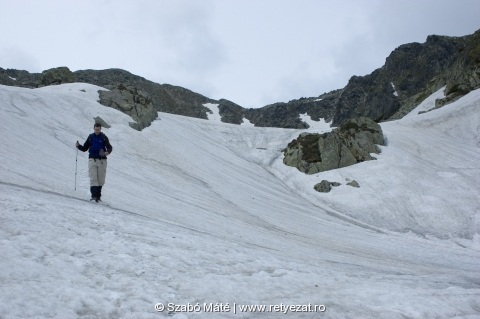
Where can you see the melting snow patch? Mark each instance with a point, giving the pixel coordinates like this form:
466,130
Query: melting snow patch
316,125
395,90
246,122
216,113
427,104
12,78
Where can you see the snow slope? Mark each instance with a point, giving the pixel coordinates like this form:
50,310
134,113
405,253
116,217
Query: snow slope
205,212
427,104
320,126
425,181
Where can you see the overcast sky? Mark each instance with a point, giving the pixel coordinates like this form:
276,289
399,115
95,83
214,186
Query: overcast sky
252,52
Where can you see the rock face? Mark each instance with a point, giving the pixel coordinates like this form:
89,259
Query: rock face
464,74
347,145
230,112
164,97
131,101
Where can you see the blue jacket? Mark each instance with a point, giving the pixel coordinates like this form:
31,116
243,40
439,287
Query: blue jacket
96,146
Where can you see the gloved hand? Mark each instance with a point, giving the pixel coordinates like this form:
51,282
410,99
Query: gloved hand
77,144
103,153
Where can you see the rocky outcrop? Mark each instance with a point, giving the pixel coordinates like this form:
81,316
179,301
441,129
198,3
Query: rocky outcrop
20,78
230,112
57,76
464,75
457,62
165,97
347,145
130,101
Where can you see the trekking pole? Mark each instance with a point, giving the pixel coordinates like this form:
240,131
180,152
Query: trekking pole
76,161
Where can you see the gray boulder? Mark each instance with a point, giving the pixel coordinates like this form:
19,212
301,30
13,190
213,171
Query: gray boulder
131,101
102,122
347,145
353,183
325,186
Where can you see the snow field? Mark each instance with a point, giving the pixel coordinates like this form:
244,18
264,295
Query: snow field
202,212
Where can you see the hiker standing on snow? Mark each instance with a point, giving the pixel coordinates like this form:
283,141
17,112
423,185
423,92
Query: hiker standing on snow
99,148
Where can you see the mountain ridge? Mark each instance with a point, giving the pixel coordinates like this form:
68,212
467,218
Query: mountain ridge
411,73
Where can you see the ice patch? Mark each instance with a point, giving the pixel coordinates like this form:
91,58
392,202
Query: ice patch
427,104
246,122
395,90
316,125
215,117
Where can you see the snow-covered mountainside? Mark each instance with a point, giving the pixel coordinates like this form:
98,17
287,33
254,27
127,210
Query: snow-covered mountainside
203,212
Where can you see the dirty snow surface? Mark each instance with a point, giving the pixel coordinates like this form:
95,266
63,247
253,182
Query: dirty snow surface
201,219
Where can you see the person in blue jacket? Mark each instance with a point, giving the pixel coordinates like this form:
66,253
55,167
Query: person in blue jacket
98,147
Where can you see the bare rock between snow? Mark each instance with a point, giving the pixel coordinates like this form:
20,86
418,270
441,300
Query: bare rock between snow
351,143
